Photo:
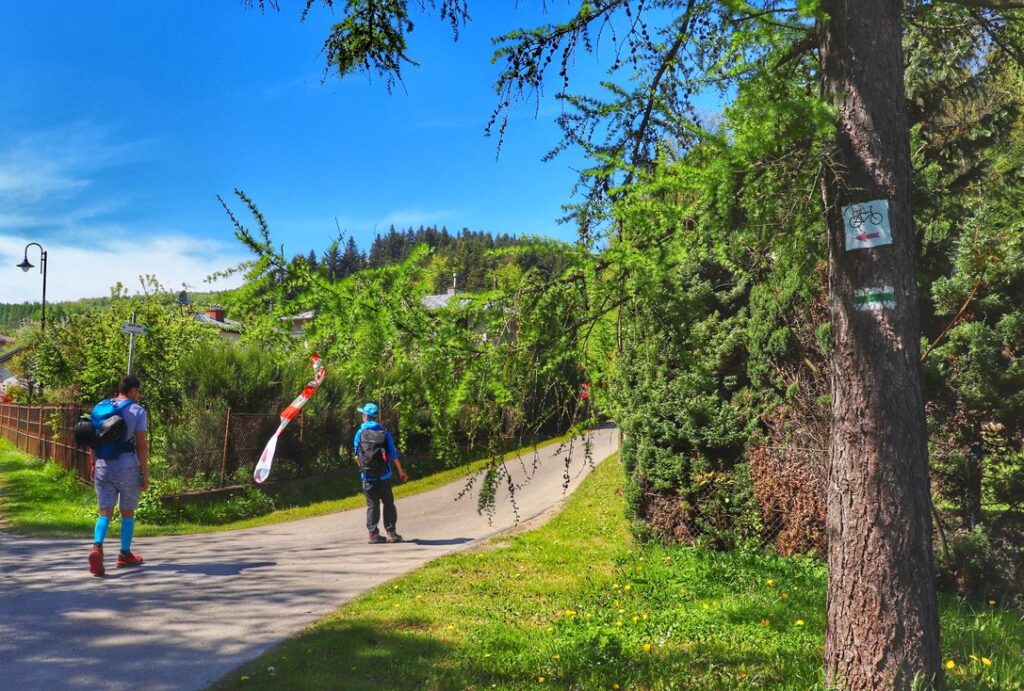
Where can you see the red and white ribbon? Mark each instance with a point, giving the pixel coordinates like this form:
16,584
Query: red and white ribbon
262,470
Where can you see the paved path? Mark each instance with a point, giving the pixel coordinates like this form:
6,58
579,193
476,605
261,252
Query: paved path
204,604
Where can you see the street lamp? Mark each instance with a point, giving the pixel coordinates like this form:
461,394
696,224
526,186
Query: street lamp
25,265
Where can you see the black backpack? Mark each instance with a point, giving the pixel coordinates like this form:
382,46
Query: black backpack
373,457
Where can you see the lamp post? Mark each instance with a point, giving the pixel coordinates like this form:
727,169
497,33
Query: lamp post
25,265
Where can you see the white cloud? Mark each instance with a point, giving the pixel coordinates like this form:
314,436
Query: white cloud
52,191
54,165
77,270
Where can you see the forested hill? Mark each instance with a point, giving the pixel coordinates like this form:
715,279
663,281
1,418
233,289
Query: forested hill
14,315
463,253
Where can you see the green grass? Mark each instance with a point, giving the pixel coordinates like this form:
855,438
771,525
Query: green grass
38,498
579,605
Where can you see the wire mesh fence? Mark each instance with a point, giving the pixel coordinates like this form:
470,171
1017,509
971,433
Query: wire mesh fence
202,449
45,431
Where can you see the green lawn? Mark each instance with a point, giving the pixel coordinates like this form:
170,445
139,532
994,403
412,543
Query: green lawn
576,604
38,498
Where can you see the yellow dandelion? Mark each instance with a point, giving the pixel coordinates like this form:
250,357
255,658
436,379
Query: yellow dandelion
615,686
799,622
570,613
992,603
615,603
627,587
451,627
618,623
635,618
557,656
540,680
615,586
647,647
706,606
770,582
973,657
765,622
985,661
645,617
487,654
784,596
950,664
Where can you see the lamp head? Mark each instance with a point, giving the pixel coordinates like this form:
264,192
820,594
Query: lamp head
25,264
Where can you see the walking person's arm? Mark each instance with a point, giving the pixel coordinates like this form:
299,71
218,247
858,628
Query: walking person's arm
92,464
393,455
142,451
401,472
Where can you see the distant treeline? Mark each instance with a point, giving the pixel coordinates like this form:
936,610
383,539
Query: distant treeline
464,253
15,315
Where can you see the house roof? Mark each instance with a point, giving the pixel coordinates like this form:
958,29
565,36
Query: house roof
301,316
226,325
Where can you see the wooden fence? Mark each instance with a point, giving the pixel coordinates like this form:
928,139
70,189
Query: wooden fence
45,431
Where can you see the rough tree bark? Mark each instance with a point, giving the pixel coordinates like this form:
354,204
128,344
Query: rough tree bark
882,628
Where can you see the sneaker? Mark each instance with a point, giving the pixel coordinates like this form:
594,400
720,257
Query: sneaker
376,539
96,561
128,559
394,537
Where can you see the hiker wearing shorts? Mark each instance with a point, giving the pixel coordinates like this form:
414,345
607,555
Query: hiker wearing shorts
120,472
376,455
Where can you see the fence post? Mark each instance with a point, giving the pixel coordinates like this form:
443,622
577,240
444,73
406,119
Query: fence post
224,453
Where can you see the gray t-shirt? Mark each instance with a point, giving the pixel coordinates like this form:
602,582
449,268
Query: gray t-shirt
135,420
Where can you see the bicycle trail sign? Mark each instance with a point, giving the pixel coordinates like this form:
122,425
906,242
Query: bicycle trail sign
867,224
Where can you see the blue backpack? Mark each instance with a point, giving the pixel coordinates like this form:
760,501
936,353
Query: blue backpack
111,431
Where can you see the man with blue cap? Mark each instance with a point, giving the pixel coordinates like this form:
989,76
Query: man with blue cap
376,455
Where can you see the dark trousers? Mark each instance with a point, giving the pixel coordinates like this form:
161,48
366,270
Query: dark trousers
379,492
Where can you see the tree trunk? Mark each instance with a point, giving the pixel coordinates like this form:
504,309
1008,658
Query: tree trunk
882,626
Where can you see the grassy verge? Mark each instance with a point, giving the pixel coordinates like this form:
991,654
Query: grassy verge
39,498
577,605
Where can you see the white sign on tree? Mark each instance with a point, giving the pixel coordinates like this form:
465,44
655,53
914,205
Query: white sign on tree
867,224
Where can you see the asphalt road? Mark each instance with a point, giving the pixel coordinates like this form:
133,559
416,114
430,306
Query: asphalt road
203,604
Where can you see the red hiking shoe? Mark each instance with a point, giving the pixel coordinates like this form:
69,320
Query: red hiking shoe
128,559
96,561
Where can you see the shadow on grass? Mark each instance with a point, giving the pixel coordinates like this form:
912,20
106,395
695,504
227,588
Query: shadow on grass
360,655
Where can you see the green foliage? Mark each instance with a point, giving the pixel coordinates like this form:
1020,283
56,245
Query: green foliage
484,371
81,358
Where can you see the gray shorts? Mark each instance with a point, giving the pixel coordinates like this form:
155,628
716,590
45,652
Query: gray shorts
116,480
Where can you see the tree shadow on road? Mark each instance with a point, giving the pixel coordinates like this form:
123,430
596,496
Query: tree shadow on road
222,569
435,543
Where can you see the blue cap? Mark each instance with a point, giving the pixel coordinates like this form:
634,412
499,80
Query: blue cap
370,409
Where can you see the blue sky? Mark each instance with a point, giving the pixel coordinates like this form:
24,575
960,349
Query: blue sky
121,122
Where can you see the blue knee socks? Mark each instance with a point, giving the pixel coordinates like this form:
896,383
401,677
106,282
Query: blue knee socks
100,531
127,530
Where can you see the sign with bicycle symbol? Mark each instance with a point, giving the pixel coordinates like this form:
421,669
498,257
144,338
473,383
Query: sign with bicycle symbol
867,224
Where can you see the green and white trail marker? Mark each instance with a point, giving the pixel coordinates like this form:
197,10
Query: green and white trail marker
870,299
